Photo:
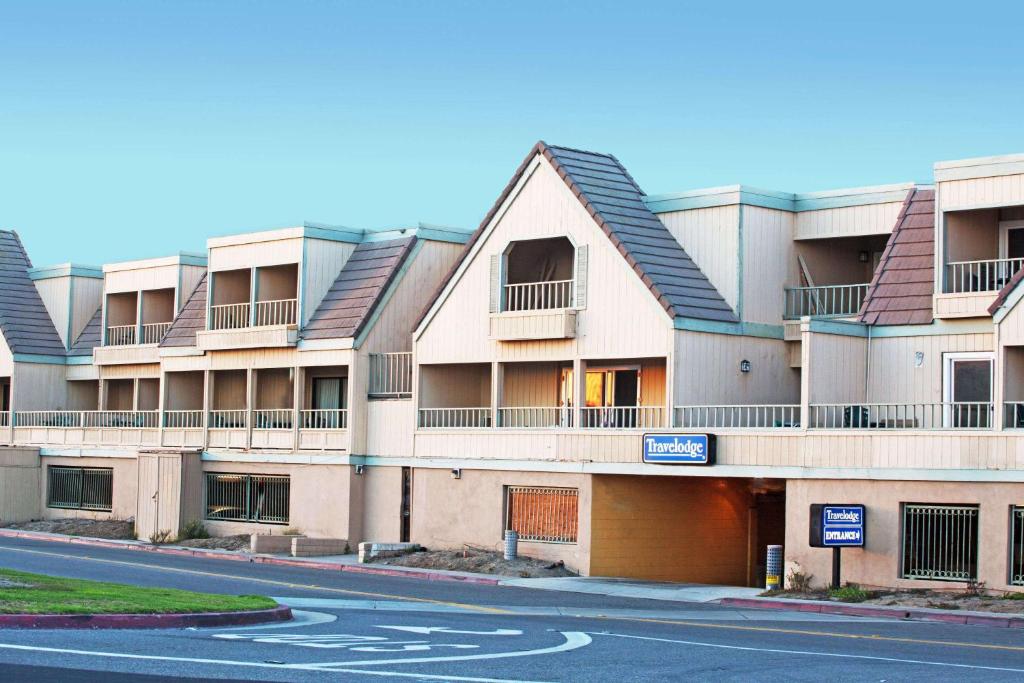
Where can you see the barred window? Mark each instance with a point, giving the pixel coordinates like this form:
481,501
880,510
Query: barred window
248,497
80,488
1017,545
548,515
940,542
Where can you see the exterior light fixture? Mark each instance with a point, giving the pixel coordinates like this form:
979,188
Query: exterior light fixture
359,469
456,473
745,365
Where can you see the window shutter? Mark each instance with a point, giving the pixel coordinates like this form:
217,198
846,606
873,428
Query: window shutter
580,277
495,283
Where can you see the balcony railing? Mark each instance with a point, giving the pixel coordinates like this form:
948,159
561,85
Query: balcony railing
183,419
229,316
275,418
277,312
152,333
120,335
454,418
538,296
324,419
737,417
391,375
5,418
980,276
534,417
828,301
1013,415
960,415
125,419
228,419
622,417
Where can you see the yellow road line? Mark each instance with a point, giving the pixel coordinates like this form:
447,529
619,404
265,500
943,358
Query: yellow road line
272,582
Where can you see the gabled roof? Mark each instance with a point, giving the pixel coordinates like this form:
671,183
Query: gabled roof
24,321
1005,292
357,292
89,337
901,290
611,196
189,320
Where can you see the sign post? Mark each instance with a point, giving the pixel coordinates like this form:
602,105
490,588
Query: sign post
837,527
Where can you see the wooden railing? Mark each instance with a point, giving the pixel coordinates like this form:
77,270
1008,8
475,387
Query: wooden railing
454,418
126,419
183,419
980,276
229,316
152,333
276,312
534,417
391,375
324,419
538,296
228,419
622,417
737,417
960,415
828,301
274,418
120,335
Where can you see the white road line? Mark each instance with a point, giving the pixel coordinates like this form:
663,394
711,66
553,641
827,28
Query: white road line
840,655
299,618
259,665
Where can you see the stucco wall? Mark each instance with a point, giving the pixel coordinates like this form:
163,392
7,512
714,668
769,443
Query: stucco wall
125,483
19,484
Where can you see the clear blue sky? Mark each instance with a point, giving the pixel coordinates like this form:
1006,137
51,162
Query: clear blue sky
135,129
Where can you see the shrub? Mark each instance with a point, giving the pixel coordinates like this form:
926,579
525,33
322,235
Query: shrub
851,592
194,529
799,582
158,537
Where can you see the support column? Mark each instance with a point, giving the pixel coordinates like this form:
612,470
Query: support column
250,400
161,402
298,393
579,391
254,278
207,402
135,394
102,398
998,384
670,390
497,391
138,318
805,374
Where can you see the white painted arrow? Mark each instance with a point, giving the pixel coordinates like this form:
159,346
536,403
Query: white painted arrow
427,630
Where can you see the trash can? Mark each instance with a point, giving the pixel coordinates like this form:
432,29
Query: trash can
773,576
511,544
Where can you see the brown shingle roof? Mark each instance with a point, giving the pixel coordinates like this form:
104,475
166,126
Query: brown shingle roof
24,321
1004,293
612,197
901,290
356,293
189,320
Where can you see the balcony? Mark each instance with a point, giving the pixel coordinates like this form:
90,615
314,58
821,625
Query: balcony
141,317
973,415
261,314
969,277
87,427
536,290
538,296
829,301
390,375
252,308
762,416
980,251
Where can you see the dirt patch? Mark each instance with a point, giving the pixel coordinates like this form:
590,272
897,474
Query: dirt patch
479,561
240,542
96,528
969,602
7,583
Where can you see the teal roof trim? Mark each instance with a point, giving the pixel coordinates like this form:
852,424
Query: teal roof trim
65,270
741,329
771,199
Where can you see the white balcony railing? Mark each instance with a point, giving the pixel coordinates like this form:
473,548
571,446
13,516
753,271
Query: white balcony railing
275,418
229,316
183,419
829,301
534,417
622,417
1013,415
152,333
961,415
5,418
324,419
228,419
980,276
125,419
538,296
454,418
737,417
277,312
391,375
120,335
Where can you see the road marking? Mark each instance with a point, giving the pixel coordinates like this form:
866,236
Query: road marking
427,630
258,665
271,582
343,641
812,654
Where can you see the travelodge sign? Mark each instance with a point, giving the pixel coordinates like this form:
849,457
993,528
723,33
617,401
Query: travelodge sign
679,449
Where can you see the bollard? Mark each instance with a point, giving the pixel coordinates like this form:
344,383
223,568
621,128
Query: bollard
511,544
773,576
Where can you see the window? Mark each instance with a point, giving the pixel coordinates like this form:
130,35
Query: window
1017,545
79,488
940,542
247,497
548,515
968,390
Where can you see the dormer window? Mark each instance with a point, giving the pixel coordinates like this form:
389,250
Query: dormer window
538,275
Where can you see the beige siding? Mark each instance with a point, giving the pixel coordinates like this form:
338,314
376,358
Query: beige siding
972,193
971,235
389,427
834,368
86,297
894,376
707,370
531,384
711,237
35,386
56,295
6,358
130,370
256,254
136,279
324,259
622,318
19,484
972,305
256,358
1011,327
769,263
847,221
455,386
190,276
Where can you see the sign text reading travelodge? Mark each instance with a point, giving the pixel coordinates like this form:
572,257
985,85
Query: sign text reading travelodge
679,449
837,526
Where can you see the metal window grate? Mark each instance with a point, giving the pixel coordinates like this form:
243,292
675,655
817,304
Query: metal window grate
1017,545
940,542
548,515
79,488
248,497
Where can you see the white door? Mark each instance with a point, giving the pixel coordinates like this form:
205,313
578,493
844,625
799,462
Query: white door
967,390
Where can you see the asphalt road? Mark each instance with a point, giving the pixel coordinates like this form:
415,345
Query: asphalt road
360,627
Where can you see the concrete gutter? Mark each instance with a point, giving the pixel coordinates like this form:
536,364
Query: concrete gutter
139,621
905,613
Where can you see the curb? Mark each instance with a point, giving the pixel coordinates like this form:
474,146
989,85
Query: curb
915,614
140,621
421,574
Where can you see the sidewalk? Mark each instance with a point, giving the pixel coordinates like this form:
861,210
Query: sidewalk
632,588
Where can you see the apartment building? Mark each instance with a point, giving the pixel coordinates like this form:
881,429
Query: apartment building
857,346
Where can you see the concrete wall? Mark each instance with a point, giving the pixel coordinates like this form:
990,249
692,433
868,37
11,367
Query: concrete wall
126,487
19,484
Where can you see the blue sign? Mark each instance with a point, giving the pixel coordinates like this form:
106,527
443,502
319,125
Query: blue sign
842,526
679,449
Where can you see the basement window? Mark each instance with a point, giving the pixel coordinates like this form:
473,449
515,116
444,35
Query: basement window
247,498
79,488
940,542
542,514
